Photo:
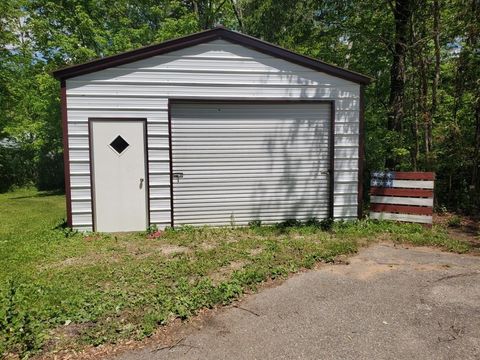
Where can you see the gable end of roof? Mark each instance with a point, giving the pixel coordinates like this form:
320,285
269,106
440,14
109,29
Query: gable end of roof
206,36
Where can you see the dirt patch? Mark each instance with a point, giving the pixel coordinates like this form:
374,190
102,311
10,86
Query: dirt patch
225,271
207,246
256,251
92,259
168,249
467,229
114,257
363,270
65,336
366,269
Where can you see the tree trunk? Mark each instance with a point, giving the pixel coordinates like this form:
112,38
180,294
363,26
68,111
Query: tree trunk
436,77
474,40
476,153
415,147
401,14
436,41
238,15
426,116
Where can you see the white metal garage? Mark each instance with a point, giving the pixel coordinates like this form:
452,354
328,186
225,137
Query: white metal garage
213,128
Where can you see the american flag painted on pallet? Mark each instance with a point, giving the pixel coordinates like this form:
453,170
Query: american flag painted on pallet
402,196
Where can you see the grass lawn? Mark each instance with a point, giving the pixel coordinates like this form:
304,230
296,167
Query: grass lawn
63,290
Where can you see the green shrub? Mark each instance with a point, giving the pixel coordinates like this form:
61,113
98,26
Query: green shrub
455,221
255,223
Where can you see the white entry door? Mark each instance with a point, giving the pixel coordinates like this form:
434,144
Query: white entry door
119,175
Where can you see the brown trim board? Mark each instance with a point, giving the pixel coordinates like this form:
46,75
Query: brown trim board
414,175
405,192
331,172
66,151
361,151
402,209
147,169
206,36
331,150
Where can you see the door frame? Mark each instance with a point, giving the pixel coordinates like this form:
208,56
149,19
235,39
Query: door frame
266,101
92,175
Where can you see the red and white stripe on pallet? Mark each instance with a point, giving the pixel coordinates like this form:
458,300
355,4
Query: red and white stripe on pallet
409,197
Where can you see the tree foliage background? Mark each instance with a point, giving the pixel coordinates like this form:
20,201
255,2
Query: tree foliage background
423,109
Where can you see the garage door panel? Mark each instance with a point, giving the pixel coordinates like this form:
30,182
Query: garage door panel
238,196
250,161
243,219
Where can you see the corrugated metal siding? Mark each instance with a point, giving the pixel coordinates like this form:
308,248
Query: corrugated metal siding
214,70
242,162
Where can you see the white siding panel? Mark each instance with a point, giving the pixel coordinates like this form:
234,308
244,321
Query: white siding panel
160,217
346,152
346,140
81,194
80,167
346,116
82,221
206,91
158,154
346,164
81,116
160,192
214,70
160,204
226,77
79,154
80,180
159,167
83,228
160,179
351,128
158,142
76,128
345,199
157,128
345,188
78,142
346,176
111,102
347,104
345,212
81,206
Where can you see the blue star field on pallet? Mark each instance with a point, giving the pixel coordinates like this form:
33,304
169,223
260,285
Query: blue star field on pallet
382,179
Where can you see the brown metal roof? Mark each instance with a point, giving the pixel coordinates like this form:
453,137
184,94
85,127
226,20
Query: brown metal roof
202,37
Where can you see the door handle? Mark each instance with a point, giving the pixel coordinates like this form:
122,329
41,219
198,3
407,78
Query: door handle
178,176
141,182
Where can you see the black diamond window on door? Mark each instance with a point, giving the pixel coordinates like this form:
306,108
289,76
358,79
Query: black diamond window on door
119,144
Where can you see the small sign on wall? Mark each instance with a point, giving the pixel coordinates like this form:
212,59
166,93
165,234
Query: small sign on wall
402,196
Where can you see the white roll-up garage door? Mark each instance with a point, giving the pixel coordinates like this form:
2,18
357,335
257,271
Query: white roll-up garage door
236,162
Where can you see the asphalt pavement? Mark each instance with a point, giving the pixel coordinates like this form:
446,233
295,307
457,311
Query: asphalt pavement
387,303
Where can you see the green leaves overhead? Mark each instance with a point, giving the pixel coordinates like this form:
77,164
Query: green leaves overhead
440,125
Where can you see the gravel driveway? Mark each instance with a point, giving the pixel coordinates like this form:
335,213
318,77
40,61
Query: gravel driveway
388,303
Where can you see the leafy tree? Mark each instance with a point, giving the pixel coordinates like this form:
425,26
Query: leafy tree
422,110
